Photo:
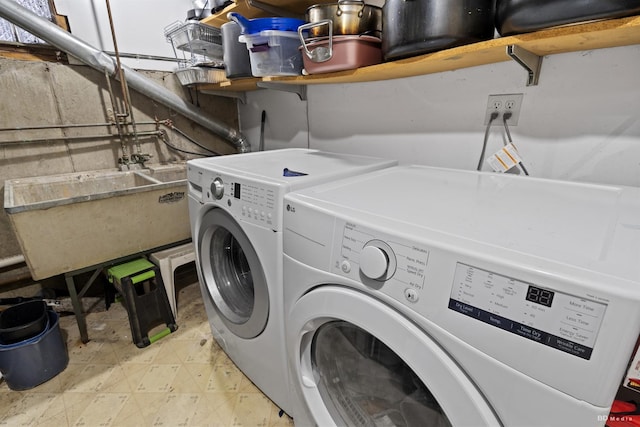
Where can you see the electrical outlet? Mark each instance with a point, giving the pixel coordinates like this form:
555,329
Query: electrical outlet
509,103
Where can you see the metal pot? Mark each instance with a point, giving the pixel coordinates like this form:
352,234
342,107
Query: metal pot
349,17
522,16
416,27
344,53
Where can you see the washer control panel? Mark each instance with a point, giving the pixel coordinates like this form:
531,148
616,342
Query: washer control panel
562,321
247,200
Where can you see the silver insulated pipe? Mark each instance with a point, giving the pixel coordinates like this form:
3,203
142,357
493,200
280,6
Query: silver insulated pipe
99,60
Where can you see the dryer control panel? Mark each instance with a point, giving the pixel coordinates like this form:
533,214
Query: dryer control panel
555,319
418,276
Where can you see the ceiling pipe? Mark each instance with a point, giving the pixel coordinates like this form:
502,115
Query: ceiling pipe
95,58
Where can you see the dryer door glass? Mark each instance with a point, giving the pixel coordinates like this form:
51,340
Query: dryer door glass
233,274
364,383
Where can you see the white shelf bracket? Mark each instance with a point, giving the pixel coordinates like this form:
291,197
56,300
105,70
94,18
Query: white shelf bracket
528,60
300,90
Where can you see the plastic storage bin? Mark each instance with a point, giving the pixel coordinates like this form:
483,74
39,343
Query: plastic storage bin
274,53
256,25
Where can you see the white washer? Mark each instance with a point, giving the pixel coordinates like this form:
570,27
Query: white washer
235,205
426,296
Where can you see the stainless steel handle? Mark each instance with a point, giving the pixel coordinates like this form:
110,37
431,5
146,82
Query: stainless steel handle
321,53
360,12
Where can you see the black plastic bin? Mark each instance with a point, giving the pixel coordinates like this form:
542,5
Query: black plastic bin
34,361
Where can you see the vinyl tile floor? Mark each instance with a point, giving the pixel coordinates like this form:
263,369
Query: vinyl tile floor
184,379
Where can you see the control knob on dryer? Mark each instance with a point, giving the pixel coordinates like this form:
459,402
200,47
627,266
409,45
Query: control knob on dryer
374,262
217,188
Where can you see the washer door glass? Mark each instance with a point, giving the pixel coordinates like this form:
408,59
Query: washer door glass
233,274
364,383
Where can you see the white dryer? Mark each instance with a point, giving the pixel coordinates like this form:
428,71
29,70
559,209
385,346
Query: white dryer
235,205
419,296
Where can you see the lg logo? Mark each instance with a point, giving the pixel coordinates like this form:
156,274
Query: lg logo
290,208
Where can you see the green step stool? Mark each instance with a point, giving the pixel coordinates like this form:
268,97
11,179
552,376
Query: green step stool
140,283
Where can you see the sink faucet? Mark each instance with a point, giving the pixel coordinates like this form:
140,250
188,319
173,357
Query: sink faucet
141,158
136,161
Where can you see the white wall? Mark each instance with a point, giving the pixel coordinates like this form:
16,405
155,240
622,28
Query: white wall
581,123
285,121
139,27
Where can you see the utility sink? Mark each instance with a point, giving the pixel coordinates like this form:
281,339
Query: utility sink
71,221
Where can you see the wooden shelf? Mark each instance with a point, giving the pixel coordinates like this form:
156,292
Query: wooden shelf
594,35
239,85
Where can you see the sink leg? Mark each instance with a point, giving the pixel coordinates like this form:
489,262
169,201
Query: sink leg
77,308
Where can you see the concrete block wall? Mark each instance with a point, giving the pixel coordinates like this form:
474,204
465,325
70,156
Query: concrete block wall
43,93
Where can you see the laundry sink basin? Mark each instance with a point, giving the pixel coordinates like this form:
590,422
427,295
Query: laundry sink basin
70,221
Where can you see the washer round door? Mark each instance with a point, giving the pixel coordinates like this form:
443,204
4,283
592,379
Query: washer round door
358,362
233,274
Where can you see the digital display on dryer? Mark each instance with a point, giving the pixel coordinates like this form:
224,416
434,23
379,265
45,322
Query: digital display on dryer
540,296
236,190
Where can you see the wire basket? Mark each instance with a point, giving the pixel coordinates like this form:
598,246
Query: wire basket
195,37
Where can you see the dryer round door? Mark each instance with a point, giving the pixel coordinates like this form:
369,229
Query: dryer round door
233,274
358,362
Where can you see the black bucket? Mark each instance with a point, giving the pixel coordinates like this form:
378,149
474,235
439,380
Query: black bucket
34,361
23,321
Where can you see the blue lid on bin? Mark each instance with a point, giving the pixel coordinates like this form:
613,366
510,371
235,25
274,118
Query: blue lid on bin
254,26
